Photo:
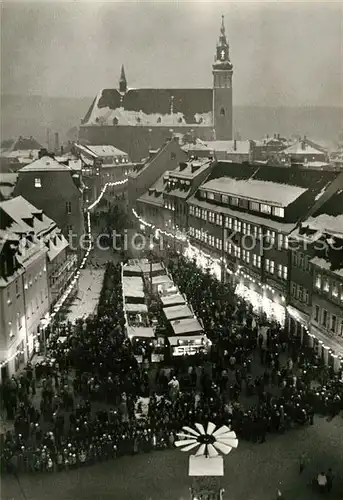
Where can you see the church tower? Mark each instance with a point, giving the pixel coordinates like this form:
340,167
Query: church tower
222,89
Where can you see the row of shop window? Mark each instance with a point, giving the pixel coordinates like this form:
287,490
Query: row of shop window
243,203
328,321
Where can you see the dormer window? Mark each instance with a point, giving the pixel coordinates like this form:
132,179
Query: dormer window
38,182
222,112
159,119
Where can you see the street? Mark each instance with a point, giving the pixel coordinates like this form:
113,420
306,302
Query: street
252,472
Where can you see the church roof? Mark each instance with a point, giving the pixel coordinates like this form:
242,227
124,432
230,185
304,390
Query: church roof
187,105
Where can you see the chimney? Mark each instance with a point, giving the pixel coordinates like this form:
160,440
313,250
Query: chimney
235,145
48,139
278,136
57,143
303,145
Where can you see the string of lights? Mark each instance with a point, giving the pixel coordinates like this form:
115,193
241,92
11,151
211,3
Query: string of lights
50,317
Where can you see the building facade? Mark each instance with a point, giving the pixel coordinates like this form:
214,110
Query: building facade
34,273
58,191
138,120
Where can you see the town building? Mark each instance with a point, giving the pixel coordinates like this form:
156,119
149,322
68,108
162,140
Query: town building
58,191
316,294
15,153
164,204
35,269
138,120
304,152
164,159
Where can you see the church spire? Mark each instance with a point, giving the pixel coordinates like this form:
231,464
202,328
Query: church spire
222,56
122,80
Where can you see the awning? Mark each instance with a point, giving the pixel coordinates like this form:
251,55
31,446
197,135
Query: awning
196,339
327,341
187,325
178,312
141,308
140,332
173,300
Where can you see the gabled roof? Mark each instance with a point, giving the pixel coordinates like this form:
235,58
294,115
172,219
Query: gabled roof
159,102
302,147
328,219
19,144
154,195
45,164
191,169
20,211
100,151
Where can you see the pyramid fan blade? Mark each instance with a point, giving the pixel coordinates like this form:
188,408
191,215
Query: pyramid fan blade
210,428
222,430
185,436
233,442
190,430
212,452
190,446
224,448
200,428
227,435
201,450
184,442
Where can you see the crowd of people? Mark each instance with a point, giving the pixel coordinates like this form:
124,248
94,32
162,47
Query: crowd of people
255,379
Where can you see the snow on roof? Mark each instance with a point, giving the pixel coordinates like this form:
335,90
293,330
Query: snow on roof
190,171
158,280
197,338
232,147
45,164
316,164
326,265
56,245
20,210
261,191
187,325
177,312
302,148
326,224
150,195
106,150
172,300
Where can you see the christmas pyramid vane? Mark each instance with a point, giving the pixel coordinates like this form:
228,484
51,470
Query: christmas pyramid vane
210,443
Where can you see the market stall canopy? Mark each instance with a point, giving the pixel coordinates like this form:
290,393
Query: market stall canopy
169,290
178,312
159,280
187,325
133,286
140,332
139,308
137,268
173,300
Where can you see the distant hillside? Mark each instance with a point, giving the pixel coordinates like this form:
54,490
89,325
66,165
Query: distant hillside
32,115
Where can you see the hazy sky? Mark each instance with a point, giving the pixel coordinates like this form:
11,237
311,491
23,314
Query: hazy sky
283,53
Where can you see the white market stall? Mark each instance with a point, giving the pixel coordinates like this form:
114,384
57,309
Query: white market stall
136,308
133,288
186,326
173,300
142,332
178,312
160,283
182,345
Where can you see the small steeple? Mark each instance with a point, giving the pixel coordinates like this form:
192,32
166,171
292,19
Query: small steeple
122,81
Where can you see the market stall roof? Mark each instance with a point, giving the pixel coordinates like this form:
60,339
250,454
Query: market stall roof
142,267
133,286
178,312
173,300
173,341
187,325
140,332
139,308
159,280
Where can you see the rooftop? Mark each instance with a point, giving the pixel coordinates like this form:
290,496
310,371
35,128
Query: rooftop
261,191
191,169
104,151
45,164
231,147
303,147
152,107
22,144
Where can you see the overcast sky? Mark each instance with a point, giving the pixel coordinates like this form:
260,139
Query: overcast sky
287,54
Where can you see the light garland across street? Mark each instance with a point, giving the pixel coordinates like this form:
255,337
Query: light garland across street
60,302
